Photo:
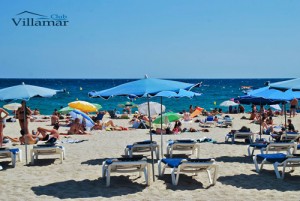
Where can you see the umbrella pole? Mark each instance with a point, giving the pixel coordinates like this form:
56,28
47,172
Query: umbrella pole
152,159
260,131
285,120
161,134
25,131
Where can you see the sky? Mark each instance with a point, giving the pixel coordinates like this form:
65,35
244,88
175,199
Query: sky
163,39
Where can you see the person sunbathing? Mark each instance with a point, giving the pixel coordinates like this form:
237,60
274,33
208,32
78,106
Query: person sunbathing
52,132
101,126
28,138
77,128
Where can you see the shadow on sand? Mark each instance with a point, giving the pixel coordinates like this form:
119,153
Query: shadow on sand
264,181
120,185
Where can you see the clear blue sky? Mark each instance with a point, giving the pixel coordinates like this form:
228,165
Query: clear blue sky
161,38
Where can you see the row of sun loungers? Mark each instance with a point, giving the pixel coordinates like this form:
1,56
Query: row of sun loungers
177,165
43,149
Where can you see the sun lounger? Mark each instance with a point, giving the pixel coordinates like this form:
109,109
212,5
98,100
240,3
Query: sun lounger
45,149
14,153
183,145
179,165
209,121
278,159
240,135
289,136
124,165
144,146
272,147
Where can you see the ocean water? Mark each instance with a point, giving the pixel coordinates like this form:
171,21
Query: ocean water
214,91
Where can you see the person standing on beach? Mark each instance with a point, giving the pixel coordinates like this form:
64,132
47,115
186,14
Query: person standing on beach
23,114
3,115
294,104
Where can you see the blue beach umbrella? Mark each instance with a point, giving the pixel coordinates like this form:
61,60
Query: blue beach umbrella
293,84
25,92
143,88
77,114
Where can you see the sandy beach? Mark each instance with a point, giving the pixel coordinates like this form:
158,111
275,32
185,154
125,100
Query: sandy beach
79,177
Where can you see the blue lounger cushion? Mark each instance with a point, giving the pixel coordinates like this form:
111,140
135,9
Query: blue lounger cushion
175,162
111,160
258,146
170,142
142,142
272,158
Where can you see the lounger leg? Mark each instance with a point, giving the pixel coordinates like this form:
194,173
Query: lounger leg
255,163
198,152
283,170
13,159
64,153
249,150
20,155
209,176
146,175
276,170
177,175
32,157
103,169
173,176
262,164
159,168
216,172
126,151
61,156
108,176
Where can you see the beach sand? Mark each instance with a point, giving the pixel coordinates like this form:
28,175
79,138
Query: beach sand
79,177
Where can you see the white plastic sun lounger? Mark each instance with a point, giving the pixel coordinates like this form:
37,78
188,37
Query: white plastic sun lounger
194,166
47,150
14,153
145,146
183,145
278,160
124,165
272,147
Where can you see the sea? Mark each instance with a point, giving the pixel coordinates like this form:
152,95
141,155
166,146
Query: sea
214,92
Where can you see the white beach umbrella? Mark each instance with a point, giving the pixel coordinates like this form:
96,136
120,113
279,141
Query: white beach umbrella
276,107
12,106
228,103
155,108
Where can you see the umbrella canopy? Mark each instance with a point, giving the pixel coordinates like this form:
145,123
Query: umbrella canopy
269,93
180,94
12,106
276,107
66,110
98,106
248,100
293,84
143,87
81,115
167,117
83,106
25,92
228,103
155,108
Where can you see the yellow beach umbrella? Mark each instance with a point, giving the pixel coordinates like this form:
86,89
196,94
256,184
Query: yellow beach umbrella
83,106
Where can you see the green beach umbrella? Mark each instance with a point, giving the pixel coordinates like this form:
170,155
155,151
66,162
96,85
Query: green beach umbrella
169,116
65,110
98,106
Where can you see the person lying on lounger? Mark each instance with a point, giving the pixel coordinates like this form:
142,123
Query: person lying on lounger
52,132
